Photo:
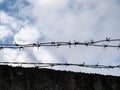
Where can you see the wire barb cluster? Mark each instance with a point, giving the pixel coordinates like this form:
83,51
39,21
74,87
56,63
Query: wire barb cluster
60,64
100,43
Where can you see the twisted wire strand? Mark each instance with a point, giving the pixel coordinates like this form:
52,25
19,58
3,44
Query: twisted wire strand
61,64
100,43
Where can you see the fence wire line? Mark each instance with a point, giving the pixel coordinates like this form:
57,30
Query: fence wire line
100,43
61,64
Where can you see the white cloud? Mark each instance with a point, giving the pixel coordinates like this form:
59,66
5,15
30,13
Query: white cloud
5,32
43,55
83,20
12,55
64,20
27,34
46,4
8,26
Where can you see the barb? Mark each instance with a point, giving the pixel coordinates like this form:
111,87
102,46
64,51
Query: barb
60,64
100,43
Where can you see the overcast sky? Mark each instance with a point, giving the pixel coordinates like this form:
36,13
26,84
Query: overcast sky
29,21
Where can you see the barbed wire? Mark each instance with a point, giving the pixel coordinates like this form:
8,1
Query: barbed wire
100,43
60,64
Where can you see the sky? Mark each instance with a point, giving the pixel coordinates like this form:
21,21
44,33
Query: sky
30,21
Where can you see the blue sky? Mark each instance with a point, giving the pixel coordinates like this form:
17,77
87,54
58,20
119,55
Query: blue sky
29,21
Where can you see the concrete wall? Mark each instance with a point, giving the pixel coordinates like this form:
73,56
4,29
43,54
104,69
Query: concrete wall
18,78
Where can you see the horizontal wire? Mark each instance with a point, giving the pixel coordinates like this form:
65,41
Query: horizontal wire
61,64
100,43
58,44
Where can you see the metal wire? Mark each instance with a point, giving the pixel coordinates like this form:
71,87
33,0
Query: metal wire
100,43
61,64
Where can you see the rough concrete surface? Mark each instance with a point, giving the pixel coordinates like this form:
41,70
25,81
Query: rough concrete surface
18,78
